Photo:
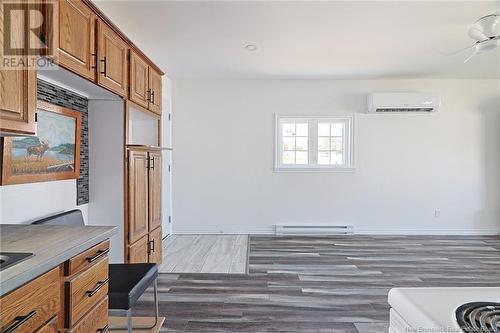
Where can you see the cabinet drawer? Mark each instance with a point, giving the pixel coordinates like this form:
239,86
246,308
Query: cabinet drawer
95,321
31,305
50,327
86,259
85,290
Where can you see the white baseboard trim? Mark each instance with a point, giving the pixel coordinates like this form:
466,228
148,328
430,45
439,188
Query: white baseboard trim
357,231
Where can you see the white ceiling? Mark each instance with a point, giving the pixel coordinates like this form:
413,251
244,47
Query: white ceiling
307,39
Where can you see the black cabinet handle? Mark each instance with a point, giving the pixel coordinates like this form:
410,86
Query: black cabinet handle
97,287
99,254
148,96
104,61
153,164
94,55
18,321
153,96
103,330
153,245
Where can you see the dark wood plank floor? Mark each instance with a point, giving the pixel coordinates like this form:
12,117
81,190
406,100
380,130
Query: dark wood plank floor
322,284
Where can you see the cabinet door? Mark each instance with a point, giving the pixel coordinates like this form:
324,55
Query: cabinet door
137,195
156,93
50,327
139,89
17,89
155,247
155,189
76,41
112,64
138,252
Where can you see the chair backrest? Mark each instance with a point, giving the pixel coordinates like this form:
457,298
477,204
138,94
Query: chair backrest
73,217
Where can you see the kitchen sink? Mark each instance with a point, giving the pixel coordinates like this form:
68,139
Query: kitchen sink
9,259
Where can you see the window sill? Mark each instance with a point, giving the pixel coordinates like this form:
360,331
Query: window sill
315,170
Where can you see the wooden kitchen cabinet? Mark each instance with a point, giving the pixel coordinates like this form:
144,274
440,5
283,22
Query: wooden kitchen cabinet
50,326
137,195
17,89
145,84
112,60
156,91
155,246
154,199
139,80
32,305
144,192
138,251
76,42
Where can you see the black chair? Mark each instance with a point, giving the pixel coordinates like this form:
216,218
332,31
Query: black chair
127,282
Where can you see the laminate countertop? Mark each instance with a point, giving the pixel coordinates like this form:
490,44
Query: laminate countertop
50,244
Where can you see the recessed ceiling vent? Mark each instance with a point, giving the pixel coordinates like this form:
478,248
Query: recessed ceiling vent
403,102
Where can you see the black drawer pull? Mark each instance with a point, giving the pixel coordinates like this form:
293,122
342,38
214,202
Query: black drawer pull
98,255
18,321
105,63
98,286
103,330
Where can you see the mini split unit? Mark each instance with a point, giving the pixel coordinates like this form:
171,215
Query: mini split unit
403,102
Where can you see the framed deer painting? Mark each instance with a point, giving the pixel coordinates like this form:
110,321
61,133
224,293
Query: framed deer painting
53,154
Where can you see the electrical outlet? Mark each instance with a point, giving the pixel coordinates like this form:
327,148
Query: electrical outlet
437,213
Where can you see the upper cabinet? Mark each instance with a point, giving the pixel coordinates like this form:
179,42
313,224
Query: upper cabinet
76,42
112,62
145,84
17,90
155,86
139,80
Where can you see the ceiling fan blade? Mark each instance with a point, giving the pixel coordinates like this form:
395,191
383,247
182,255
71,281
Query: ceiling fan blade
459,50
477,34
470,57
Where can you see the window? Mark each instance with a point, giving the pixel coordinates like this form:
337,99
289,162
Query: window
313,143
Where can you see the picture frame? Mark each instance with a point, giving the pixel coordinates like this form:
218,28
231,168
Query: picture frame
53,154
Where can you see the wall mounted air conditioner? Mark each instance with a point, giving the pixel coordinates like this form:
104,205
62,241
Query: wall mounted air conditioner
403,102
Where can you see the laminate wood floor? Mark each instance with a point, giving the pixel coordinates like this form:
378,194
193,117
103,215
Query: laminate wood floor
321,284
205,254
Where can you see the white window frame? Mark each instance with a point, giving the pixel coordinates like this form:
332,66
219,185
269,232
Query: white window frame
313,166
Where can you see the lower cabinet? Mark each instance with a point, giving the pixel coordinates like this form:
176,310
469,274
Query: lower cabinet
50,326
144,231
138,251
155,246
61,301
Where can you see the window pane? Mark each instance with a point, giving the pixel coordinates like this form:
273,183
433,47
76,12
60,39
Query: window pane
288,143
337,158
324,143
288,130
324,157
301,144
323,129
301,157
302,129
336,144
337,129
288,157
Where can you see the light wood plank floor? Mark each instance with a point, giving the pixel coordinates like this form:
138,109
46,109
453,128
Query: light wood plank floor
336,284
205,254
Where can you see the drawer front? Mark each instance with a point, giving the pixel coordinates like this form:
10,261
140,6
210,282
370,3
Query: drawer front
95,321
32,305
50,327
86,259
85,290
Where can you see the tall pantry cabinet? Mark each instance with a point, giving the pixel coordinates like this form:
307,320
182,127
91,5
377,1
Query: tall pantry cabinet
143,228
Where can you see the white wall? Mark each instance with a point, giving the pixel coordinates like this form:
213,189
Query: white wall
106,172
407,166
25,203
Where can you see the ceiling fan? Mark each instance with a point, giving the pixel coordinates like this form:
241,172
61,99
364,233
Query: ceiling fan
486,33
